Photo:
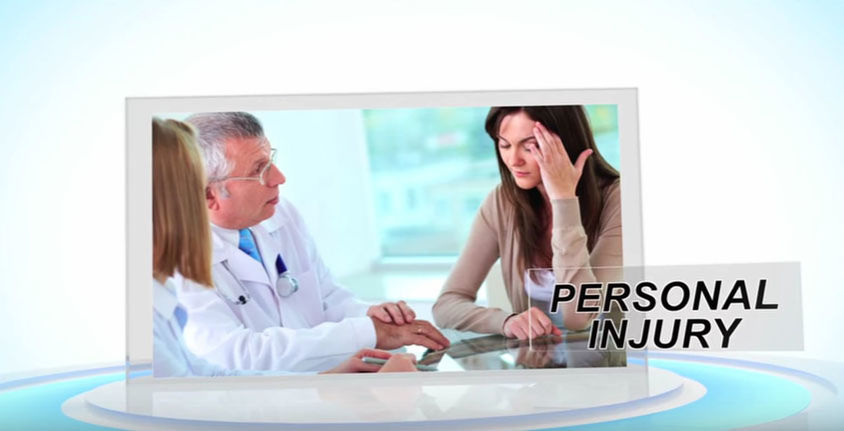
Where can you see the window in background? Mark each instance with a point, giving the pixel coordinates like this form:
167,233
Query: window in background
431,169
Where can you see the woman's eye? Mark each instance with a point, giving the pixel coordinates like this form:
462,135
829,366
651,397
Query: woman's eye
504,146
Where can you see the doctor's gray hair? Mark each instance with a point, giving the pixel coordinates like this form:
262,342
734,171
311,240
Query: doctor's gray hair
213,129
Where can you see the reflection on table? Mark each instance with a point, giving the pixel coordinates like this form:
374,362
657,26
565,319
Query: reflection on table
472,351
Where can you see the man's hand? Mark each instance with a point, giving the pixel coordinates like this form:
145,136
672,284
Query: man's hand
391,336
392,312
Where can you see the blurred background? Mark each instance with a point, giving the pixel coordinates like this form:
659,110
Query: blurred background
389,195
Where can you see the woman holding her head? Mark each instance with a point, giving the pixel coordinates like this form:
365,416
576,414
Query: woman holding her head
182,243
558,206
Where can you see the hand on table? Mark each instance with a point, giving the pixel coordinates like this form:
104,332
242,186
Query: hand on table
399,362
392,312
355,363
528,324
392,336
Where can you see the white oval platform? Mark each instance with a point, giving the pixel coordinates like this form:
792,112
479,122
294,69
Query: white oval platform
386,402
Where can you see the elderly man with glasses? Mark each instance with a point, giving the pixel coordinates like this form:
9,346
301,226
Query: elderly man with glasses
275,305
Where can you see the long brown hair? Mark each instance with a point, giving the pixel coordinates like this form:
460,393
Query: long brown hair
571,124
181,233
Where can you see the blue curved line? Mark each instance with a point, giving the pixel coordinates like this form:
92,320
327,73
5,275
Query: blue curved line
750,364
39,407
46,378
731,400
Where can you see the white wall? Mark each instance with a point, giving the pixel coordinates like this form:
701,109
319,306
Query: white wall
324,157
740,112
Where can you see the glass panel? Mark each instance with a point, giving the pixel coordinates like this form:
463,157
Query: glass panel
692,307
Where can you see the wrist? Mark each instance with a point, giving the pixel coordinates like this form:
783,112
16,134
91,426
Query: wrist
504,324
561,193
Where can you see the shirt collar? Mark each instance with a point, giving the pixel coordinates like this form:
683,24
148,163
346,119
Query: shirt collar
230,236
164,299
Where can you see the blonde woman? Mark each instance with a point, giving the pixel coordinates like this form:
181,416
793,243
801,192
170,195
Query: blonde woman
182,243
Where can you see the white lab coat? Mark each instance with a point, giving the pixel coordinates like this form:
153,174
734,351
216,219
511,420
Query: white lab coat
312,330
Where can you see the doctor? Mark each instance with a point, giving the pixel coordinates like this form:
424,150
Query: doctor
182,243
275,306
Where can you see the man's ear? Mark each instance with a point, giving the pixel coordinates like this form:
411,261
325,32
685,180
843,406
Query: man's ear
212,198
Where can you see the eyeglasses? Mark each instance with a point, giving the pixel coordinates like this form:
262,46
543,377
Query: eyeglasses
261,177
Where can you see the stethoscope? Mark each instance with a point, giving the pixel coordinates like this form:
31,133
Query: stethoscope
285,285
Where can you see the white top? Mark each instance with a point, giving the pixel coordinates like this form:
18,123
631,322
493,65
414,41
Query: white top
541,291
543,288
314,329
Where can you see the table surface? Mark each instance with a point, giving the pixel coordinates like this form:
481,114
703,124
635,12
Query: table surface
473,351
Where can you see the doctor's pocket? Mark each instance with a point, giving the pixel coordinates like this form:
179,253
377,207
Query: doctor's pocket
304,308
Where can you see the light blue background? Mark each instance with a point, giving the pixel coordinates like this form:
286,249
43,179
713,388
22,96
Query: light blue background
740,113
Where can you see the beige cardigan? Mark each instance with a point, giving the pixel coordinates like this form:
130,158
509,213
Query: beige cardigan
492,237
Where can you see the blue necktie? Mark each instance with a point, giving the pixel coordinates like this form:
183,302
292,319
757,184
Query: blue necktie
247,245
181,316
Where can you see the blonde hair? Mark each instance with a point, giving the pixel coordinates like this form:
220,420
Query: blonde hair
181,231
